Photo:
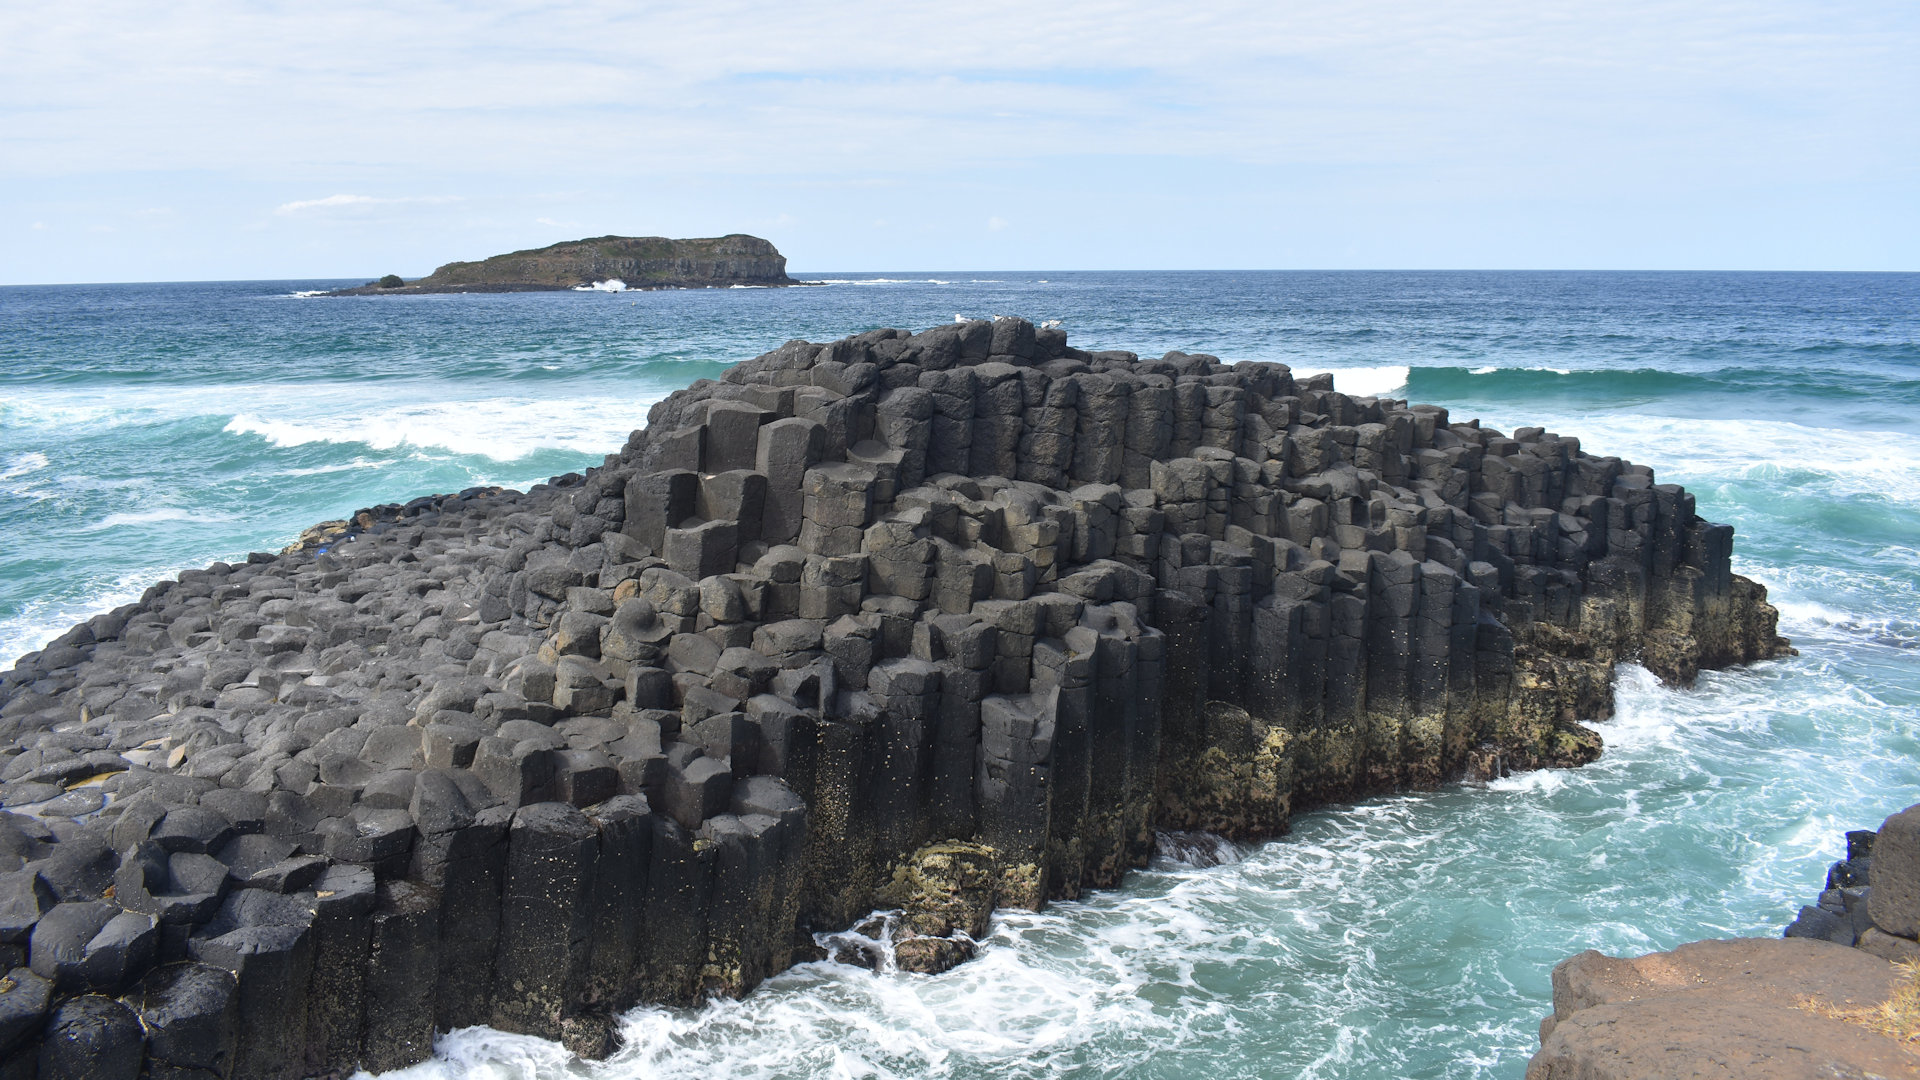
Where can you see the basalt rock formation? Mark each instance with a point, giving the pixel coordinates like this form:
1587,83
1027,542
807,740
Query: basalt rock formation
941,622
641,262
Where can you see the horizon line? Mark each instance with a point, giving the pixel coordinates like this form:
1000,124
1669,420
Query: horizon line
817,274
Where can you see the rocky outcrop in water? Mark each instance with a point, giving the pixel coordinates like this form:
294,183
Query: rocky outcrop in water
1751,1008
935,622
1872,898
1806,1006
640,262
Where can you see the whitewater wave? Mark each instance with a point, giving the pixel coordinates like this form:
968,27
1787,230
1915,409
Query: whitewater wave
1369,381
1010,1011
378,415
20,465
336,467
1193,850
148,517
1537,782
611,285
880,281
1802,620
42,620
1833,463
502,429
1490,370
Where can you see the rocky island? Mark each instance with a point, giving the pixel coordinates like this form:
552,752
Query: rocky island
932,623
638,262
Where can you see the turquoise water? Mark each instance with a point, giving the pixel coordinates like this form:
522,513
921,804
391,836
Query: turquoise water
144,428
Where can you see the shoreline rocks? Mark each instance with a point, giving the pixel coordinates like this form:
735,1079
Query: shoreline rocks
934,622
1802,1005
1754,1008
1872,898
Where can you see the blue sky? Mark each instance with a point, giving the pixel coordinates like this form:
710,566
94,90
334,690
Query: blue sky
347,139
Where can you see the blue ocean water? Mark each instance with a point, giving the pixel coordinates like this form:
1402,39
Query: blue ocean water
147,428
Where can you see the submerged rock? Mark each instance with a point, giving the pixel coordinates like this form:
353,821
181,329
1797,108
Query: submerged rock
939,622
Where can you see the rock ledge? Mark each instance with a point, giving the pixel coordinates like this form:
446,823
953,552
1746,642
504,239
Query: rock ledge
1753,1009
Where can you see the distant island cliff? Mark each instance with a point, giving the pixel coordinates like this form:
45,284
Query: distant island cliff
639,262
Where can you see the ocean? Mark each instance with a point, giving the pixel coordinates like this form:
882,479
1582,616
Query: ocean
149,428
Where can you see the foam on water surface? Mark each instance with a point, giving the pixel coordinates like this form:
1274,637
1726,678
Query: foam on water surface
499,429
1378,381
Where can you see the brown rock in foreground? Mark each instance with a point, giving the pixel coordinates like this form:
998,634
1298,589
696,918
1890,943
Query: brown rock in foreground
1749,1008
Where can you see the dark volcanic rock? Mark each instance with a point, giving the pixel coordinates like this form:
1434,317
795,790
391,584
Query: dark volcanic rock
938,622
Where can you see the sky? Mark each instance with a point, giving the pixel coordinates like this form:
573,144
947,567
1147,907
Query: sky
196,140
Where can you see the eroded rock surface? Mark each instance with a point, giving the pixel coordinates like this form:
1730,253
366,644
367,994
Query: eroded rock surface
948,621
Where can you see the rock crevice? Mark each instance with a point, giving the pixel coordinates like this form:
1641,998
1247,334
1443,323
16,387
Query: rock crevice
937,622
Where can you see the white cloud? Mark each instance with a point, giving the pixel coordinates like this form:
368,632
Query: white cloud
996,224
729,86
333,201
1461,126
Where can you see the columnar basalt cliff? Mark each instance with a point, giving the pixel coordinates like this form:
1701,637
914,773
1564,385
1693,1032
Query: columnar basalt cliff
640,262
937,622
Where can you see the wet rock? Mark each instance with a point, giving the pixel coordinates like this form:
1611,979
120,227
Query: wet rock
945,888
931,955
540,962
403,964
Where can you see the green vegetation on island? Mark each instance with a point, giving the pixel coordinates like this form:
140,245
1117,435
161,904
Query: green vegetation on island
637,262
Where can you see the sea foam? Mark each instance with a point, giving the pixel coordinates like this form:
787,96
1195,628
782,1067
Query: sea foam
1374,381
21,465
501,429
